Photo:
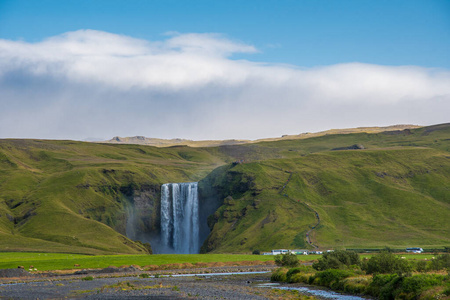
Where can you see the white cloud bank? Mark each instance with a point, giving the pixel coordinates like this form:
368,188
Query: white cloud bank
95,84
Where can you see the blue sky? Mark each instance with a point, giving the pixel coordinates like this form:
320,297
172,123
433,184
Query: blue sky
220,69
303,33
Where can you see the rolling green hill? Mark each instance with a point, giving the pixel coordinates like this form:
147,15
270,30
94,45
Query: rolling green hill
364,198
66,196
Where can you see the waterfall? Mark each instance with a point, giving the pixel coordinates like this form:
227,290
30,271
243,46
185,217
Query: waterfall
179,218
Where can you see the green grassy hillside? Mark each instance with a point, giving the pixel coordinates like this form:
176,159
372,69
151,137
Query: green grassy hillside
396,193
66,196
364,198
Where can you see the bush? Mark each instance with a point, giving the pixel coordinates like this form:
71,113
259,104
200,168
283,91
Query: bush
378,282
332,278
256,252
279,275
394,286
441,262
421,266
339,259
298,278
305,269
287,260
386,262
416,284
388,291
388,249
356,285
291,274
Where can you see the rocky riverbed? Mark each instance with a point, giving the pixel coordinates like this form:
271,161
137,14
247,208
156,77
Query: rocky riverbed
131,283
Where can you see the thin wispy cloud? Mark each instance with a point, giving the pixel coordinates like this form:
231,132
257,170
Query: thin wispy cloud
92,83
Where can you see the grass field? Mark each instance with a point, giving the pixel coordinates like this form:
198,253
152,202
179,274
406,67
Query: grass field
61,261
58,261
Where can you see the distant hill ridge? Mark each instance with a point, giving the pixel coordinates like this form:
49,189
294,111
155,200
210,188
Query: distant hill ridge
142,140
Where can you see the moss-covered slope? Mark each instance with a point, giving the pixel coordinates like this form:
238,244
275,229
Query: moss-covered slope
70,196
364,198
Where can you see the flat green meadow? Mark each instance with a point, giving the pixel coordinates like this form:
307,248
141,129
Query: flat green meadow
62,261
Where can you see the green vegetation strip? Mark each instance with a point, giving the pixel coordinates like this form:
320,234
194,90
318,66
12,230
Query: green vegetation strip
57,261
384,276
61,261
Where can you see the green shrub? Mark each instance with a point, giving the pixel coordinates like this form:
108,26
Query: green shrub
387,262
279,275
294,271
378,282
421,266
421,281
299,269
394,286
355,288
256,252
287,260
388,292
144,275
339,259
441,262
332,277
385,286
298,278
388,249
355,285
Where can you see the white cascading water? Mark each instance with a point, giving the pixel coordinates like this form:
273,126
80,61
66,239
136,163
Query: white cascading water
179,218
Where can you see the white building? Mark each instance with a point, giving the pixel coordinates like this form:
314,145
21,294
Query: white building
280,251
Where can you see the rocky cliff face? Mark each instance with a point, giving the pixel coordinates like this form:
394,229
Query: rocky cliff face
143,214
216,197
147,205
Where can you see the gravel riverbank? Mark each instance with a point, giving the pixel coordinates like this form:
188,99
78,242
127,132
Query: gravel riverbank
131,283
